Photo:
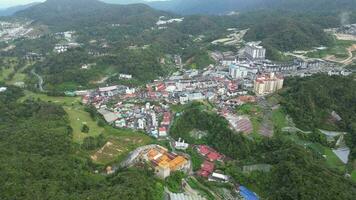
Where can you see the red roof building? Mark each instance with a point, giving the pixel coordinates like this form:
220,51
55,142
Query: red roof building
166,119
209,153
206,169
214,156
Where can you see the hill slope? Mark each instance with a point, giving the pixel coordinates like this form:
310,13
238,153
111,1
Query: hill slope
225,6
86,13
12,10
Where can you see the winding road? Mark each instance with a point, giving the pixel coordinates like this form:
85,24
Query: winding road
40,80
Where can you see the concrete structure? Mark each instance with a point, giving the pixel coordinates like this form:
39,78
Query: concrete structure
240,71
181,145
165,162
254,51
219,177
268,83
3,89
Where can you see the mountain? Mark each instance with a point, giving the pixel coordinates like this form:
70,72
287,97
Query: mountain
70,14
226,6
12,10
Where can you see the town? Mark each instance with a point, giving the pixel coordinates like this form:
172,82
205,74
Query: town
178,100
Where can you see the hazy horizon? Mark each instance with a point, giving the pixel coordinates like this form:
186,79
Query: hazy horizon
10,3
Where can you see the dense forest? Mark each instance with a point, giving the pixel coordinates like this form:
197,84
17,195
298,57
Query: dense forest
38,159
310,102
66,15
296,173
218,133
285,32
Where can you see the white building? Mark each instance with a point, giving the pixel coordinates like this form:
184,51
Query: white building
181,145
125,76
218,177
141,123
254,51
3,89
242,70
154,119
130,91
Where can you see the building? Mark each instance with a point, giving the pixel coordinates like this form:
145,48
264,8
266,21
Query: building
181,145
268,83
125,76
165,162
3,89
254,51
240,71
217,177
209,153
206,169
162,131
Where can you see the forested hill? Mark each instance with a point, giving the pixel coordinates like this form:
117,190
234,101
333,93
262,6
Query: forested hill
68,14
38,160
225,6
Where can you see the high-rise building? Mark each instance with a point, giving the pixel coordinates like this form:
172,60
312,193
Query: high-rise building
254,51
240,71
268,83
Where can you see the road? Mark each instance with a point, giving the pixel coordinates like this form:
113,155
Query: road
40,80
351,56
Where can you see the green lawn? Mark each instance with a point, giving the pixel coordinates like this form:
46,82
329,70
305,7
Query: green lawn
279,118
332,160
78,117
353,175
4,73
66,101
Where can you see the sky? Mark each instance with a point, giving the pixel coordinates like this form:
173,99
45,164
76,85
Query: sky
9,3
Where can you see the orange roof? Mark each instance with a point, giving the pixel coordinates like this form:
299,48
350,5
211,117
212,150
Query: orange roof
152,153
164,158
164,164
177,162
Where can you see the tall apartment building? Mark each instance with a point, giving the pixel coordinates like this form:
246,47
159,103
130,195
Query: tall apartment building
240,71
254,51
268,83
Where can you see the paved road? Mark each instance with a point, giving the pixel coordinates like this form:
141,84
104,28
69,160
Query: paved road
40,80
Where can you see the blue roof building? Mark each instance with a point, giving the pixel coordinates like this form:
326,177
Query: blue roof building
247,194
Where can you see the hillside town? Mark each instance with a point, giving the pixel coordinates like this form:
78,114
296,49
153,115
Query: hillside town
158,100
230,83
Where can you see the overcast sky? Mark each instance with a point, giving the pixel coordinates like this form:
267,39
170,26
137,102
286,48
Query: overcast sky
9,3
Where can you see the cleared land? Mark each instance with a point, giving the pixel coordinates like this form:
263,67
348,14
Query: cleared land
337,53
119,146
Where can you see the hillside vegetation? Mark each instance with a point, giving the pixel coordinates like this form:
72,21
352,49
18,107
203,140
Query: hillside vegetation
38,159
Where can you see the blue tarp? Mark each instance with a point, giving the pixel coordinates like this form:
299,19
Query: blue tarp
247,194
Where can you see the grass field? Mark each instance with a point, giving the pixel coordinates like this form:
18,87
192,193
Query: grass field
279,118
332,160
4,73
78,117
65,101
353,175
338,50
8,68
